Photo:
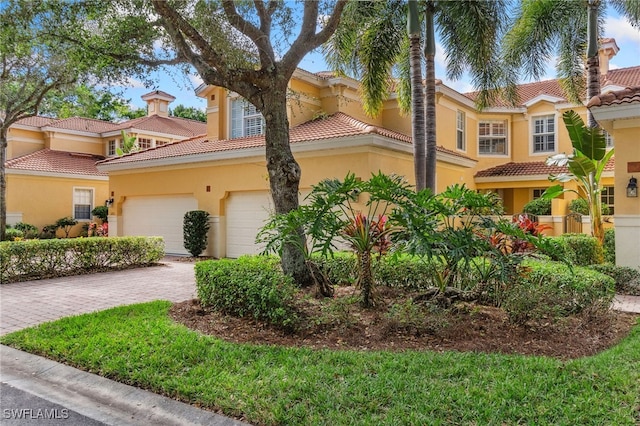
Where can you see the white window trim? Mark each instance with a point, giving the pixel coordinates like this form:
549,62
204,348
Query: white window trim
115,150
230,101
73,202
556,140
462,129
507,136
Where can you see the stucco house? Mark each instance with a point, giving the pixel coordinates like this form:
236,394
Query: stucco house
51,171
502,149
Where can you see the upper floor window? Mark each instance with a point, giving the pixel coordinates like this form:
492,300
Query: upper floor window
246,120
82,203
111,147
461,142
492,137
144,143
544,134
161,142
609,139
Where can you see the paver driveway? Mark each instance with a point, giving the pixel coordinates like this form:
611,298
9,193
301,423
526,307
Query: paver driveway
29,303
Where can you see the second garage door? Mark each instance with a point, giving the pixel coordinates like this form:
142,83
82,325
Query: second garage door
158,216
247,213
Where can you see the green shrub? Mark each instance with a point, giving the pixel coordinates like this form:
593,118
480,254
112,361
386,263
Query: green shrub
539,206
581,206
582,249
609,245
195,228
11,234
405,271
249,286
30,231
66,223
550,290
627,279
101,212
37,259
340,267
48,232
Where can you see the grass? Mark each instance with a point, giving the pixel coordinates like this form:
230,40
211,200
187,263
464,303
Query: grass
141,346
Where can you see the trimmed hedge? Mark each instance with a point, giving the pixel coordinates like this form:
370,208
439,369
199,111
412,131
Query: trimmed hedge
609,245
627,279
37,259
538,207
248,286
581,249
550,290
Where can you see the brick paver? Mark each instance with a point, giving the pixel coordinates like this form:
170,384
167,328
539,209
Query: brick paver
33,302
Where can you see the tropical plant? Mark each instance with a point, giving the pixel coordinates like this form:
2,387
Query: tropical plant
129,144
569,30
585,166
195,229
335,215
372,45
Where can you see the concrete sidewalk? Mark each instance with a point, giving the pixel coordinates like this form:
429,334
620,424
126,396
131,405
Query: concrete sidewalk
36,390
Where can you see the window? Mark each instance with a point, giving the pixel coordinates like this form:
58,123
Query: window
493,137
82,203
537,193
606,196
160,143
461,142
544,134
111,147
144,143
609,139
245,119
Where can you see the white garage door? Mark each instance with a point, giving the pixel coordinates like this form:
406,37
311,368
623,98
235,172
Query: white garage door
247,213
158,216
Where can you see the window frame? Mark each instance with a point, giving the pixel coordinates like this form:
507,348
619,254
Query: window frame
545,133
461,134
493,137
533,193
244,120
115,147
146,140
607,196
74,202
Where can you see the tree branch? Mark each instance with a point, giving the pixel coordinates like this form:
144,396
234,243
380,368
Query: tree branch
259,37
308,40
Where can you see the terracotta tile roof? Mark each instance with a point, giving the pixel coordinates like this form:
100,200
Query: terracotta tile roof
157,93
620,77
533,168
170,125
626,96
46,160
338,125
36,121
83,124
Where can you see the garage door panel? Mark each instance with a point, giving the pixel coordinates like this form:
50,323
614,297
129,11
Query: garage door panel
158,216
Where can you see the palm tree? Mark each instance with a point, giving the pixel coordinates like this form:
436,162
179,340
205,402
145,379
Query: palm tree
372,45
570,30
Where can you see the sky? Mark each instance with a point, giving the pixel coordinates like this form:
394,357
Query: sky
183,87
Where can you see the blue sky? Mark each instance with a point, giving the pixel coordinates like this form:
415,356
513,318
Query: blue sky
183,87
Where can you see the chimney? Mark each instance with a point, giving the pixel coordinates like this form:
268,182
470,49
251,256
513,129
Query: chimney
158,103
608,49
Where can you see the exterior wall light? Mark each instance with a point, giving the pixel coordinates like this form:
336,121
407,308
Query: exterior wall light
632,187
108,202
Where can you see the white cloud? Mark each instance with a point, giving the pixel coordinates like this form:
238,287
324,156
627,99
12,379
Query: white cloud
621,30
440,59
195,79
131,83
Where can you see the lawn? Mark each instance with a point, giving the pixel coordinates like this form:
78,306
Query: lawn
140,345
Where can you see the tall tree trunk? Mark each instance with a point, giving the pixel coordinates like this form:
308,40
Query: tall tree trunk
3,182
284,175
417,102
593,62
430,53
